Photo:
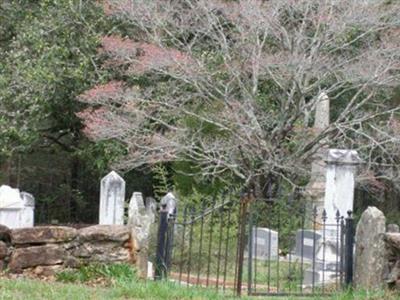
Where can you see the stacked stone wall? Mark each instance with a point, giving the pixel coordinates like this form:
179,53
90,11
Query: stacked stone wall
47,249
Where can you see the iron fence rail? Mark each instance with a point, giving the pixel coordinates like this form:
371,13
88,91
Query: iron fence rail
219,246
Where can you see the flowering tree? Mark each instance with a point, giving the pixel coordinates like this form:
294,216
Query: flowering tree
232,86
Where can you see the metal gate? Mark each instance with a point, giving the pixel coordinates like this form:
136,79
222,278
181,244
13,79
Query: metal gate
243,245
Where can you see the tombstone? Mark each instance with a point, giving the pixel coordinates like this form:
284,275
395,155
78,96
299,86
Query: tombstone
140,218
136,208
326,255
394,228
151,208
305,243
317,277
170,202
11,205
315,189
27,213
16,209
112,198
339,187
264,243
370,258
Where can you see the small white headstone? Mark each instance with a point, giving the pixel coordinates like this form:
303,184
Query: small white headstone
112,197
150,270
27,213
16,209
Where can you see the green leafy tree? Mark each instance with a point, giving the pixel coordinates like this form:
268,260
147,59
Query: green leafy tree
48,56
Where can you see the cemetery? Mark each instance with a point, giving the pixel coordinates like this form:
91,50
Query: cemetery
203,247
200,149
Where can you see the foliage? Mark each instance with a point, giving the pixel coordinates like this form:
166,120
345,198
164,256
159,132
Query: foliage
161,181
48,56
231,87
114,273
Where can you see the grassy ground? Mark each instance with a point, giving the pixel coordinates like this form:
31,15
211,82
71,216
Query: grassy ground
120,282
30,289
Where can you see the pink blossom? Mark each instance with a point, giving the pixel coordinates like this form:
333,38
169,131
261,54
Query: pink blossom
110,90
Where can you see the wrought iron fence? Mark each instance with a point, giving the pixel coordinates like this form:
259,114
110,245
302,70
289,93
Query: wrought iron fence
243,245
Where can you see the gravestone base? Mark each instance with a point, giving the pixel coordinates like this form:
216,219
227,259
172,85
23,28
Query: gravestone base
320,277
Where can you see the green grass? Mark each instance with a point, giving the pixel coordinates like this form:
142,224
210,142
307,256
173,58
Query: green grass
36,290
113,273
122,283
29,289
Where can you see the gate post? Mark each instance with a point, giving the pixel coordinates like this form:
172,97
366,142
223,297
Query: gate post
161,267
349,249
243,219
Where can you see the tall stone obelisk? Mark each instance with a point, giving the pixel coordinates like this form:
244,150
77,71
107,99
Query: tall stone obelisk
315,190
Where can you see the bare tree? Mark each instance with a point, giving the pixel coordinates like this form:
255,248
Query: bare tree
231,86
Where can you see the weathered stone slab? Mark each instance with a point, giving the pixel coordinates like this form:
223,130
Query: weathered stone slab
43,234
102,252
22,258
117,233
47,271
370,257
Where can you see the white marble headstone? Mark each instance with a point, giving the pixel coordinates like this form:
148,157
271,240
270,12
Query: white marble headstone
112,197
16,208
340,181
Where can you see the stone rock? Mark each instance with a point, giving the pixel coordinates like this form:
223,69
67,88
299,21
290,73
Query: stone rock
47,271
116,233
72,262
22,258
102,252
43,234
393,228
392,241
370,257
3,250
